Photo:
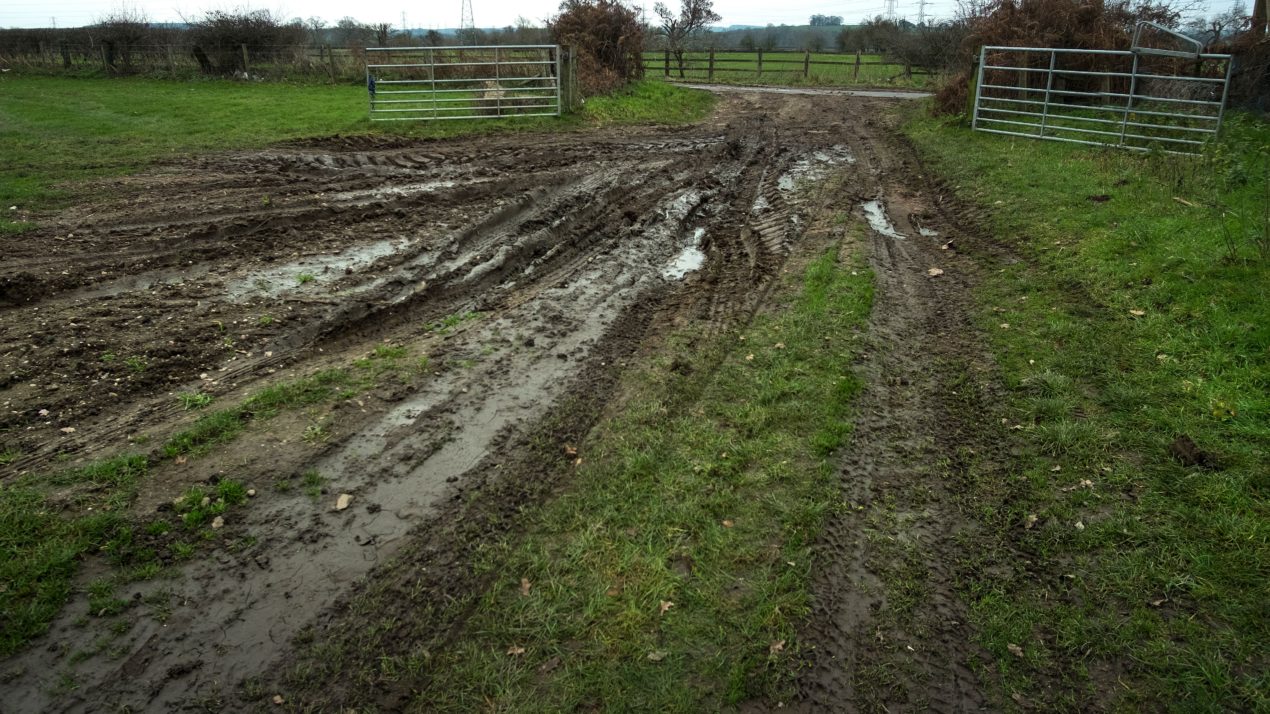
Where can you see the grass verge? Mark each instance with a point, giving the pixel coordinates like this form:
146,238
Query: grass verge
672,574
121,125
1134,336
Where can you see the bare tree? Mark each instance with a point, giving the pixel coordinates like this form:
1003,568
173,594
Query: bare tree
693,17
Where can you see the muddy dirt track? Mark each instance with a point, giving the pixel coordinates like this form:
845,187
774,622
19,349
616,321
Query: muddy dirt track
528,269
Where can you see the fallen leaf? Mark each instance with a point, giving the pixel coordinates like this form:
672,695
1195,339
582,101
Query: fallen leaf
68,430
749,357
1086,483
664,606
656,656
1183,201
515,650
1015,649
1056,468
577,461
1029,521
342,502
946,246
1005,325
934,272
44,412
1080,526
524,587
1137,313
728,522
218,523
613,591
779,345
277,699
570,451
1157,603
776,647
179,460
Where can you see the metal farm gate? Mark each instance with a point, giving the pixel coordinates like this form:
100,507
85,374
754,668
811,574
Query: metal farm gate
428,83
1136,99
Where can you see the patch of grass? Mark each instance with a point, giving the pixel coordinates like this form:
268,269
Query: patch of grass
125,124
1133,321
136,364
264,320
304,278
666,575
223,426
313,483
449,322
47,525
194,400
650,102
9,455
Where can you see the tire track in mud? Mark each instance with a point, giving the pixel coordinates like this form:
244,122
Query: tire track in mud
564,266
888,629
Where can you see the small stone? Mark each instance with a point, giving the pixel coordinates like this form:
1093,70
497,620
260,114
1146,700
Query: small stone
251,493
342,502
218,523
277,699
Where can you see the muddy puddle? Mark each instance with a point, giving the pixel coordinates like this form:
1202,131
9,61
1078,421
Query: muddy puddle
875,214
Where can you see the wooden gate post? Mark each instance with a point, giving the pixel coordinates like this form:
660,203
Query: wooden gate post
806,64
710,71
666,57
855,74
245,64
760,63
330,62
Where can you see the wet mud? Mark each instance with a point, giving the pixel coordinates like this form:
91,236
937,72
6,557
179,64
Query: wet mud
529,269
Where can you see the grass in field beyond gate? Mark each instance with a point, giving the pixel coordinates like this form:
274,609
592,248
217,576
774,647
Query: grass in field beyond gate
55,131
672,573
786,68
1137,314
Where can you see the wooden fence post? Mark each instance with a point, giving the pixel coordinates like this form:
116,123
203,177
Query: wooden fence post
105,62
760,63
710,71
855,74
908,71
245,64
666,57
171,64
330,62
806,64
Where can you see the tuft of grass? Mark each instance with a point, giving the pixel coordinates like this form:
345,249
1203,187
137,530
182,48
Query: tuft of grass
680,553
194,400
313,483
1133,321
304,278
265,320
136,364
449,322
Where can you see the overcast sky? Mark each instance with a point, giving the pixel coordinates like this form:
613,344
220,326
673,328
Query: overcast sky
445,13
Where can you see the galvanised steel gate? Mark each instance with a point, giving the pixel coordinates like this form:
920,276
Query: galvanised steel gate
427,83
1140,99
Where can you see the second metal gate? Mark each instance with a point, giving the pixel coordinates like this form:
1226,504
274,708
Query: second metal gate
1137,99
427,83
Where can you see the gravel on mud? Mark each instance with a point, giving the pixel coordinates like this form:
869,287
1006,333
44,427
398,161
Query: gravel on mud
528,269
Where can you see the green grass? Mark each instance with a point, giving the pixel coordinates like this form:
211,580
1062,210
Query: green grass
1131,321
225,425
784,68
121,125
47,525
704,491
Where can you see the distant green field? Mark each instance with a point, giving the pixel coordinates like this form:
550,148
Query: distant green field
785,68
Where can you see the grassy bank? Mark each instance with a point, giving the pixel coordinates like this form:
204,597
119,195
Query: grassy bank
1134,335
55,131
673,573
